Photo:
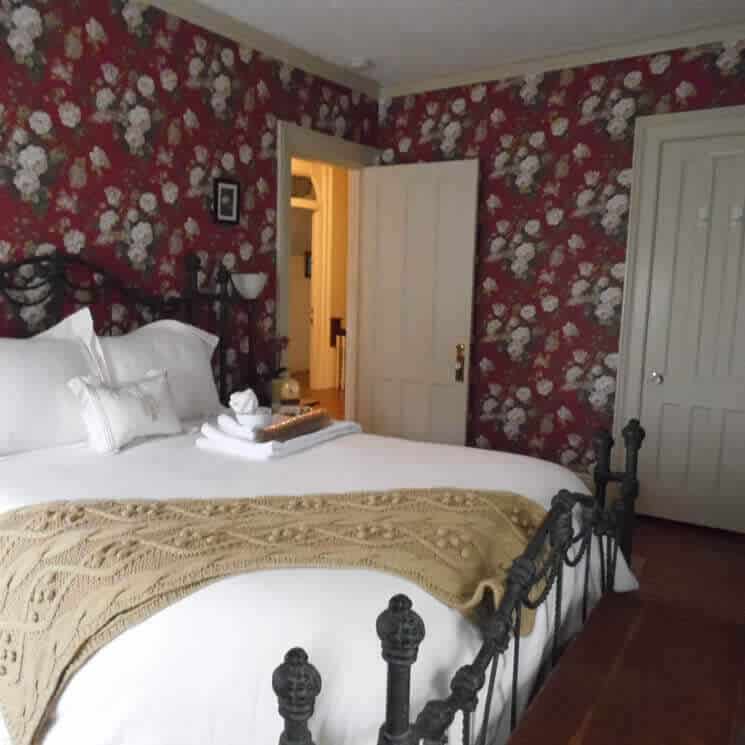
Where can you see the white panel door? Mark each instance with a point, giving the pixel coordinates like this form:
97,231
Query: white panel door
693,392
416,263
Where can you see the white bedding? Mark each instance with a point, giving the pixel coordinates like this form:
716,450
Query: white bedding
162,683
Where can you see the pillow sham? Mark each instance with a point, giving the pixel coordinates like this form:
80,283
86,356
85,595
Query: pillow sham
114,416
183,350
37,410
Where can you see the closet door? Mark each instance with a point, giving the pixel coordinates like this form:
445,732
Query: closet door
692,387
416,264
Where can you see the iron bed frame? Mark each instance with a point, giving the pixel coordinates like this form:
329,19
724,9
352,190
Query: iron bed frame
297,683
60,282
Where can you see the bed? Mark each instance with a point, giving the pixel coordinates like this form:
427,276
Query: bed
201,671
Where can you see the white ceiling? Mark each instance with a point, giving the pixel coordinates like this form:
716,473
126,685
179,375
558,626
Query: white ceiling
410,41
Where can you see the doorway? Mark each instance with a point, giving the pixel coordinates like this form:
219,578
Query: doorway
411,238
318,282
300,143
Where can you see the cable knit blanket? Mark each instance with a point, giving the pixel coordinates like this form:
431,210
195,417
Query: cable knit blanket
74,575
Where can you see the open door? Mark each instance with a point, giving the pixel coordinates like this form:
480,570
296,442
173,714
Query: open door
417,238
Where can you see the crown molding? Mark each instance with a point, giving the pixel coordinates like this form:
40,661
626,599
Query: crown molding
579,58
231,28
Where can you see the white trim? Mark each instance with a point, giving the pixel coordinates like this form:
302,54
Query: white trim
306,144
574,58
650,135
240,32
351,352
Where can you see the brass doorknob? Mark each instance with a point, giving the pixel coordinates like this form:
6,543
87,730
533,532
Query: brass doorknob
460,362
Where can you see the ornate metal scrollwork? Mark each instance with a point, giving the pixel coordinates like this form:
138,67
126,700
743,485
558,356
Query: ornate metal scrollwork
529,581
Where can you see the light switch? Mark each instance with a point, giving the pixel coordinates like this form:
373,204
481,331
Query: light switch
737,213
703,214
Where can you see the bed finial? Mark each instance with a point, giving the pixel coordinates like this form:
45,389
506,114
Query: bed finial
297,684
603,445
633,437
401,631
192,264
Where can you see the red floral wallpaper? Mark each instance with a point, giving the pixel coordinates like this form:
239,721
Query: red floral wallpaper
115,120
555,154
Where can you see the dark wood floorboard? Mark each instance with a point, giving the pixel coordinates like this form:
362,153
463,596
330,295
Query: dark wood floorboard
664,666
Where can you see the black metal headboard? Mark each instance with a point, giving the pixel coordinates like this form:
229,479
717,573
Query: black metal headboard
42,290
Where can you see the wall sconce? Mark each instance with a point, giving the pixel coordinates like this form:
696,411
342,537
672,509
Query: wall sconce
249,286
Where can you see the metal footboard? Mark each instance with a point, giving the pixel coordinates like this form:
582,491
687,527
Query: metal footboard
604,527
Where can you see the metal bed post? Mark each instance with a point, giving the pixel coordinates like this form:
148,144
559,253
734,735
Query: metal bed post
401,631
603,442
633,437
297,685
191,289
223,292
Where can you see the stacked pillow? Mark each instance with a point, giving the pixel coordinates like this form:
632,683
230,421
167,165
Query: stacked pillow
36,408
184,351
67,385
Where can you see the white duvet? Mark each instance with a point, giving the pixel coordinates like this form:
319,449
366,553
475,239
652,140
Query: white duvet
199,672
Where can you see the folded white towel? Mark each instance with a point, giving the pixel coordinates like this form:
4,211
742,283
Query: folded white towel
230,427
216,440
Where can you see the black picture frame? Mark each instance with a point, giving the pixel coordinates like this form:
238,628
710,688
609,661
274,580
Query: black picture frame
226,201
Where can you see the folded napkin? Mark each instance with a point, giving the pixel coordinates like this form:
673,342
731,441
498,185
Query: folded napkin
215,440
244,402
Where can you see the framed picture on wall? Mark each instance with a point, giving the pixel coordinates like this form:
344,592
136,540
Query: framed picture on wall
226,201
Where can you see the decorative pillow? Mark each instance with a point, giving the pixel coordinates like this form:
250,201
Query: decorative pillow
37,410
183,350
114,416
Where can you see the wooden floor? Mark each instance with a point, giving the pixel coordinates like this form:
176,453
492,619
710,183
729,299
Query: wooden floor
330,399
665,666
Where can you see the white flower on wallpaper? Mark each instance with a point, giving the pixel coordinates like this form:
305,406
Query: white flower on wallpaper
517,246
40,123
606,204
521,160
593,378
29,161
135,16
613,107
513,329
509,408
530,89
129,223
23,26
731,60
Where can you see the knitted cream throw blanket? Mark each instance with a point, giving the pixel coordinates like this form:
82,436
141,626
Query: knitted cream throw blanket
74,575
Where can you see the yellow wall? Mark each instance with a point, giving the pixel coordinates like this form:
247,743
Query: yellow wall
329,281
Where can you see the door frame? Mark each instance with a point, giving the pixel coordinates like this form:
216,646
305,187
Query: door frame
294,141
313,205
650,135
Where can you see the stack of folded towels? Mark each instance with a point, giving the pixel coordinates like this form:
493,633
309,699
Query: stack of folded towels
240,433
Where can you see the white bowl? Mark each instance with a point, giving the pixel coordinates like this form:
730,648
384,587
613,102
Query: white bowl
261,418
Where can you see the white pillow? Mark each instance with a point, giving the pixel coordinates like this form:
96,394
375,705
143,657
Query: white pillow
37,409
115,416
183,350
